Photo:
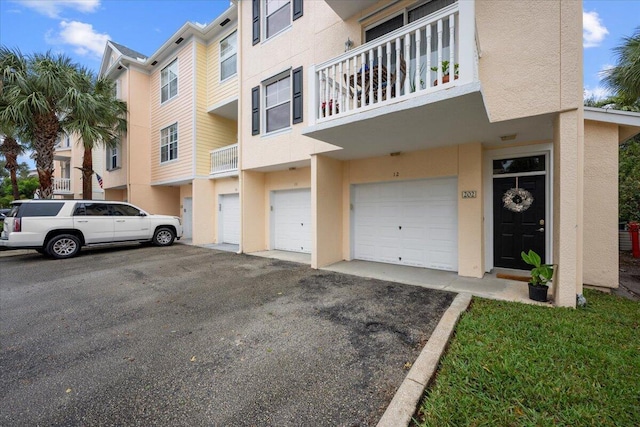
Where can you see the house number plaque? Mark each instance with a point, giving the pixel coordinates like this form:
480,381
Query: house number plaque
469,194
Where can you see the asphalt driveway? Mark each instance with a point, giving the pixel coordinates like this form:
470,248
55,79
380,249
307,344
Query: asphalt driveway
191,336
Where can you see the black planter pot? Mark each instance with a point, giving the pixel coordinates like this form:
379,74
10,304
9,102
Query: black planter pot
538,292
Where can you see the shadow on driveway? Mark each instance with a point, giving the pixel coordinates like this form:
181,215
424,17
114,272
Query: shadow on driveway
192,336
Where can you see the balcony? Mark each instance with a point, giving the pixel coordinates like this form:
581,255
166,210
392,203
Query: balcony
396,89
224,162
62,186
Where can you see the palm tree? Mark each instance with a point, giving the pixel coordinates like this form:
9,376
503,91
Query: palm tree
98,118
10,148
624,78
40,92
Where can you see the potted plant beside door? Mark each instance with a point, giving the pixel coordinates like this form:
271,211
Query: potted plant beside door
541,275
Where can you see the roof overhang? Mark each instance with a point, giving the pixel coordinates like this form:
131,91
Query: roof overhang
628,121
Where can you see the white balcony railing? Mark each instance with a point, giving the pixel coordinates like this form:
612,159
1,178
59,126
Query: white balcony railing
428,55
62,185
224,161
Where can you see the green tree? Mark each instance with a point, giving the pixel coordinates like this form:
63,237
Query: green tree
629,180
10,148
99,118
624,78
39,94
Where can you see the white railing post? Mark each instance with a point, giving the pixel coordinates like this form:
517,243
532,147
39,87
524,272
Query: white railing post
467,41
312,110
224,160
346,83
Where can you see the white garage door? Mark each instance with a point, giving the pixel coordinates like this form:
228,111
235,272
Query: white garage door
229,219
291,220
409,223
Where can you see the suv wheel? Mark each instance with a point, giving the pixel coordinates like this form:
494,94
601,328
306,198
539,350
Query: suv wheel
164,236
63,246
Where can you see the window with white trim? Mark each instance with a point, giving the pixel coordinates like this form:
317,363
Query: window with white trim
113,158
228,56
169,81
277,101
277,16
169,143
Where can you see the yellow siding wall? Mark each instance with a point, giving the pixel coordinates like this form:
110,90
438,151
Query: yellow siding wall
218,91
177,110
211,131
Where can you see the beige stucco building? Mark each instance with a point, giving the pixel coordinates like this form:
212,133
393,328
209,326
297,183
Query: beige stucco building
67,163
179,156
438,134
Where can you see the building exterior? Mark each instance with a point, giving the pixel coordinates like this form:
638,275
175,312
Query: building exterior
438,134
67,161
179,156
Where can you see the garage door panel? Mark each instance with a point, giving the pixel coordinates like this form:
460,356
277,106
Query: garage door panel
292,220
230,219
409,223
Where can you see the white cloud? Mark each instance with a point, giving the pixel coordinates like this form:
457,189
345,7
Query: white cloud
52,8
593,31
596,93
84,39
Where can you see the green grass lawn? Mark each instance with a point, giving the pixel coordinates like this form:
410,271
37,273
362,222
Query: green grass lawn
513,364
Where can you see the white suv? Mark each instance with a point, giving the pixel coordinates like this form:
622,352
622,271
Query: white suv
59,228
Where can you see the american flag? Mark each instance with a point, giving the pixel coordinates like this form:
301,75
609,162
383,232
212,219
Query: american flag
99,180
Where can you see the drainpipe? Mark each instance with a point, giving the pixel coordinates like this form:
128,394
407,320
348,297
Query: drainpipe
120,64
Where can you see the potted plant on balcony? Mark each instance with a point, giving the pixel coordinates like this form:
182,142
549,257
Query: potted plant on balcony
444,65
541,275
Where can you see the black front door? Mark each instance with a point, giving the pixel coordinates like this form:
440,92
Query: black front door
518,219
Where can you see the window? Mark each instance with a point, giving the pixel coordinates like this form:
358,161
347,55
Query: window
281,105
113,158
91,209
169,81
278,104
116,89
39,209
64,141
228,56
124,210
169,143
278,16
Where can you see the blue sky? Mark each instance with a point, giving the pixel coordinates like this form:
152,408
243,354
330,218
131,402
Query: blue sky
80,28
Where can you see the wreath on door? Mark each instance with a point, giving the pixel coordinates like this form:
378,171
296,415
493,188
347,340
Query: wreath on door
517,199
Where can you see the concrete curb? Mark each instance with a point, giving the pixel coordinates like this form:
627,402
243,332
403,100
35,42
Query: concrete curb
404,403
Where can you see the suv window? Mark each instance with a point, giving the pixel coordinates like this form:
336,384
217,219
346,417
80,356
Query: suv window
38,209
124,210
92,209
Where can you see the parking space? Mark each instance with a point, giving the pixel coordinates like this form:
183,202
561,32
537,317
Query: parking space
185,335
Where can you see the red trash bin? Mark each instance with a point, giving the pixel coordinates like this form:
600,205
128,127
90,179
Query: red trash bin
634,229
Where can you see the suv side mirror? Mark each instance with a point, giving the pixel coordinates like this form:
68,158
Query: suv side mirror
142,213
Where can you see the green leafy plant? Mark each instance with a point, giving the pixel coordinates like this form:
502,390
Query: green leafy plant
445,68
541,274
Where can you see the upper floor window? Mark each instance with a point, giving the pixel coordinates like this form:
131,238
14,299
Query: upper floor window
274,16
113,158
228,56
169,143
277,16
116,89
169,81
64,141
278,104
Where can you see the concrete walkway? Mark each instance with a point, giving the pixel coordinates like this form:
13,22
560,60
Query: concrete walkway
488,287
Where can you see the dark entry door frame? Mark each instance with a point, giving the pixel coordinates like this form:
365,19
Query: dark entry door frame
511,153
